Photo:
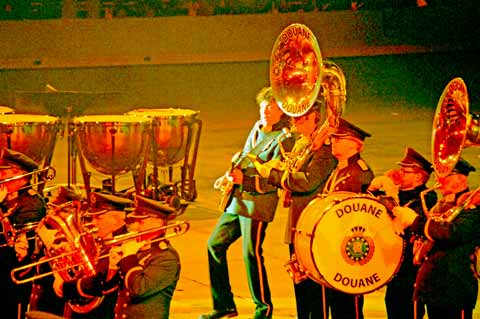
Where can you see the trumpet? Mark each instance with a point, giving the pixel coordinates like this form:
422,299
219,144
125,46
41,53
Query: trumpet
77,263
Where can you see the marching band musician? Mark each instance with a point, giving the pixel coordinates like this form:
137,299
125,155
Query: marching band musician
354,175
249,209
95,297
301,186
149,266
409,182
445,282
20,205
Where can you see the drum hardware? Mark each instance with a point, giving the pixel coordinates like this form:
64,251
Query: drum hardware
294,270
76,255
454,128
175,138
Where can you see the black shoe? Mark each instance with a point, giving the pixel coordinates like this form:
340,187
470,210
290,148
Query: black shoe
217,314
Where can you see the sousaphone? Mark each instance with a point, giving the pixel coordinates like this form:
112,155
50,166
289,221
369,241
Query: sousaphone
454,128
296,69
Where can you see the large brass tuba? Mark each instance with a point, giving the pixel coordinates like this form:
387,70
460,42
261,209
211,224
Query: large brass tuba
296,69
300,78
454,128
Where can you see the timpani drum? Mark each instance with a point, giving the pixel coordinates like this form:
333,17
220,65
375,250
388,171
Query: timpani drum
170,129
112,144
346,241
32,135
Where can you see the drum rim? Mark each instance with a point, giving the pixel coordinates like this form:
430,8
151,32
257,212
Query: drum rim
28,118
110,118
162,112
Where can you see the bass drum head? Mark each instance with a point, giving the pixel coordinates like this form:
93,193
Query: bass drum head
346,241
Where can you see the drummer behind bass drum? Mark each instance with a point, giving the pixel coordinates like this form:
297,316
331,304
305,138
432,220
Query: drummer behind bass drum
352,174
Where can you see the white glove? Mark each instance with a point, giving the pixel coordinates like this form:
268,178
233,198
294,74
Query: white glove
404,217
128,248
385,184
221,182
21,246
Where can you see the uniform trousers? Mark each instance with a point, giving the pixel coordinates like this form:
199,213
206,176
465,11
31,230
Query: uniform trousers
228,229
310,297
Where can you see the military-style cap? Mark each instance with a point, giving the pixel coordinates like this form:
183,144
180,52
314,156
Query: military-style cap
413,159
463,167
101,203
346,128
11,157
146,207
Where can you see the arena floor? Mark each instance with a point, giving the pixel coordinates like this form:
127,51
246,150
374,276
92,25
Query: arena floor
392,130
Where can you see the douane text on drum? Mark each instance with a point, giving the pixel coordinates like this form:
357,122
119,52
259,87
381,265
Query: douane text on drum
359,207
357,282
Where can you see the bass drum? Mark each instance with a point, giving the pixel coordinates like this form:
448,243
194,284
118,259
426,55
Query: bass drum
346,241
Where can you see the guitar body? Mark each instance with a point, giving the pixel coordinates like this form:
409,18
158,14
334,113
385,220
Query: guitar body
227,195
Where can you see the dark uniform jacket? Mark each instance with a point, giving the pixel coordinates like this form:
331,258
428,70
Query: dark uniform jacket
399,293
411,199
355,177
101,288
30,207
149,281
445,278
304,184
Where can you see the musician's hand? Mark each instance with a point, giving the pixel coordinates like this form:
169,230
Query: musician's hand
114,257
221,182
58,284
386,184
404,217
128,248
263,169
131,247
21,246
236,176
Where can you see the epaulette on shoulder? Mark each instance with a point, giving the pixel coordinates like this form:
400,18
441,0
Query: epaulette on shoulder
362,165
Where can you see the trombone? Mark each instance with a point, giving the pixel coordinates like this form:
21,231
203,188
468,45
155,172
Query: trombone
177,228
46,174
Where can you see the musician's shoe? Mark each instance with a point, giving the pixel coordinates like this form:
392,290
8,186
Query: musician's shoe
217,314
